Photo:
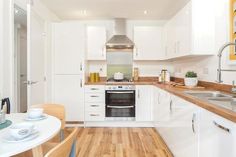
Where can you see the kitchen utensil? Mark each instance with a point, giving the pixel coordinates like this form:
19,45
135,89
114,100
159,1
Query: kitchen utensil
44,116
136,74
118,76
34,113
21,130
6,105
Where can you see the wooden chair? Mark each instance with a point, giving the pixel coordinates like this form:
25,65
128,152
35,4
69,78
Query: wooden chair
56,110
66,148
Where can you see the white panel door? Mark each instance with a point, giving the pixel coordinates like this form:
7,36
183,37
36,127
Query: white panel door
69,47
148,43
35,58
144,106
69,91
96,40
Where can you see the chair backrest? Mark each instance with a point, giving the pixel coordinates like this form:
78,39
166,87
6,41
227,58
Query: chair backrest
56,110
64,148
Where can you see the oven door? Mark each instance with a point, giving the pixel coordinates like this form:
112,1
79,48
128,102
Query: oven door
120,103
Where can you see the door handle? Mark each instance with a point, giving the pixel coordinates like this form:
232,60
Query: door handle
30,82
221,127
171,103
193,122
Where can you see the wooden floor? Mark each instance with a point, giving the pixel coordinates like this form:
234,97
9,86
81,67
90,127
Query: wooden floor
117,142
120,142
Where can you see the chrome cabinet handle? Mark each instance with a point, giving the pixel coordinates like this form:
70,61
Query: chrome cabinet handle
81,84
221,127
193,122
94,89
94,115
81,67
94,105
171,103
138,94
30,82
94,96
158,98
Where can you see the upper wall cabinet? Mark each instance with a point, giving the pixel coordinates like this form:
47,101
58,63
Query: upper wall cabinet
96,40
191,31
69,47
148,43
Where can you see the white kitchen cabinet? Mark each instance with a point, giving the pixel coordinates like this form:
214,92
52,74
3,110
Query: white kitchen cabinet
94,103
96,40
144,104
148,43
191,31
177,122
69,91
217,136
69,47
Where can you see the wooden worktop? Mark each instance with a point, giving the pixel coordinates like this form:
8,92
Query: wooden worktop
226,113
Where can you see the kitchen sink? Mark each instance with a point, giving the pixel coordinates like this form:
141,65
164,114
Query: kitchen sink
207,94
216,98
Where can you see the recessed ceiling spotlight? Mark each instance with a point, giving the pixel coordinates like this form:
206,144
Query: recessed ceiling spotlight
83,12
145,12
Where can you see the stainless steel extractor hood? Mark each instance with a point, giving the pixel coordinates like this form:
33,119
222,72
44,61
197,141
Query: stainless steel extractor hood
120,40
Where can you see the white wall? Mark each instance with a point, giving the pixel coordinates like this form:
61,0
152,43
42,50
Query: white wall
7,42
206,67
1,49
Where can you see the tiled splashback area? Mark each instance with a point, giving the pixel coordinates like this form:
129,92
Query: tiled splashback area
120,62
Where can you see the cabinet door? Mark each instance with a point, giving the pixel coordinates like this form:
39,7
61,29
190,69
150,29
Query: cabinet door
148,43
144,107
183,31
69,48
96,40
163,107
217,136
69,91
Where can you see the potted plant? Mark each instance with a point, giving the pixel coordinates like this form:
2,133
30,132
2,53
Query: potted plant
190,79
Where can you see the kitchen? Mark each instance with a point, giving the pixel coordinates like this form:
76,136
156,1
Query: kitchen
153,73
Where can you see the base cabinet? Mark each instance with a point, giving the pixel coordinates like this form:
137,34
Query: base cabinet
94,103
143,106
69,91
217,136
191,131
179,128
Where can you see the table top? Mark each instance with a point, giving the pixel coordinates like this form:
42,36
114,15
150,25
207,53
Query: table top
48,128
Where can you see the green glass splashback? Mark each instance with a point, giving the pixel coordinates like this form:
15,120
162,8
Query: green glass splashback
126,69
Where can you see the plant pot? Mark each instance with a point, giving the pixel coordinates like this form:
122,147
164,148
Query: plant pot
190,82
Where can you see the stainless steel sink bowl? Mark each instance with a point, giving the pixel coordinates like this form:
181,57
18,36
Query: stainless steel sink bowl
207,94
216,98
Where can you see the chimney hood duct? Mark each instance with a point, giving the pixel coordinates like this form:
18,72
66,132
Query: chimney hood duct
120,40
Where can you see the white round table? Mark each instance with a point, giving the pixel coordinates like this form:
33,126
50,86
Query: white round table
48,128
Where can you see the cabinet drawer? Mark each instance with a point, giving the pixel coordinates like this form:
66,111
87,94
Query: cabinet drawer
94,97
94,116
95,89
94,107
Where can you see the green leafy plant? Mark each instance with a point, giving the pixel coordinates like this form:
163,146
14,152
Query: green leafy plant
191,74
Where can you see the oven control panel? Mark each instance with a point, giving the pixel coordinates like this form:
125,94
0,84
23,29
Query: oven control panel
120,87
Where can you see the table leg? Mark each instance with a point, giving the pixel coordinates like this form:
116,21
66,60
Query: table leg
37,151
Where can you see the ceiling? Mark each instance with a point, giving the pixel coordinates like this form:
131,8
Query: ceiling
109,9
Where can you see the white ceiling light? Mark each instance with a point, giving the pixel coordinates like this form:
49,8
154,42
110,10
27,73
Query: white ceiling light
83,12
145,12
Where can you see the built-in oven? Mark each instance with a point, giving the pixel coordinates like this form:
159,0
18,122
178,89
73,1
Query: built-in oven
120,101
